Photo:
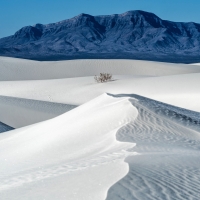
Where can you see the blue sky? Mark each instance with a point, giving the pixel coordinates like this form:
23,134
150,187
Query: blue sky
14,14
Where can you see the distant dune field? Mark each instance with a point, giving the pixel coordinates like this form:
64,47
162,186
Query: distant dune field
21,69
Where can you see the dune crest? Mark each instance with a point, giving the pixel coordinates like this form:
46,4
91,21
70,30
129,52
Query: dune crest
135,137
77,149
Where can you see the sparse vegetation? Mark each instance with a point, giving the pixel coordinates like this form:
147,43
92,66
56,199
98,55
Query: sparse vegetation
103,77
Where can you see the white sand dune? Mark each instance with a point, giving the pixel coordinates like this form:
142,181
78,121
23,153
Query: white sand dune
21,69
168,143
195,64
179,90
68,155
71,82
19,112
76,155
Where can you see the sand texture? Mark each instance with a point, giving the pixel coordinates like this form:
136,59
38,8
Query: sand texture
64,136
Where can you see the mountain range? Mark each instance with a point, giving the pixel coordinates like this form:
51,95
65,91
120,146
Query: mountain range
131,35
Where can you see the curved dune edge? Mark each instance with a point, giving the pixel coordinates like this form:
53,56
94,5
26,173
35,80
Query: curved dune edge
168,143
69,157
167,138
76,155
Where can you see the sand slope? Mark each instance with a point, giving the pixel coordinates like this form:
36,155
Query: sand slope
168,143
179,90
21,69
19,112
74,154
69,157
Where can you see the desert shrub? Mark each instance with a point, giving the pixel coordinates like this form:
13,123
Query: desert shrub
103,77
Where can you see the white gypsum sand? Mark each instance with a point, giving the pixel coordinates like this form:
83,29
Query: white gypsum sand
170,83
76,155
21,69
179,90
168,143
19,112
72,155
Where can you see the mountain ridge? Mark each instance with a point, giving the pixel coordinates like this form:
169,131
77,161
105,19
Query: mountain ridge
133,35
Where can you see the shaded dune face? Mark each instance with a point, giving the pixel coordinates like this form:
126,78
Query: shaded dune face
168,143
4,127
110,36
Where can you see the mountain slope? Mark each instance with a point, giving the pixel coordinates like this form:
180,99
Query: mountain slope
134,34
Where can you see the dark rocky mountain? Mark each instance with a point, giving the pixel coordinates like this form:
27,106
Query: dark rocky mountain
132,35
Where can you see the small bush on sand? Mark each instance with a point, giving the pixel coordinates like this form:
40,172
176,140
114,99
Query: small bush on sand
103,77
